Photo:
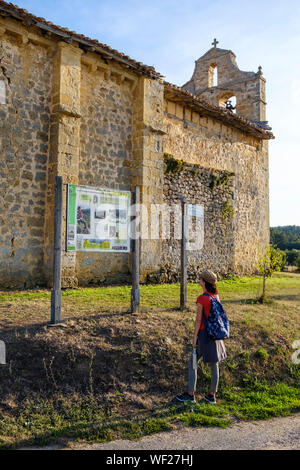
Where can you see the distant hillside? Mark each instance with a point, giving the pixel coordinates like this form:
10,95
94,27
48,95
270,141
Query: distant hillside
286,237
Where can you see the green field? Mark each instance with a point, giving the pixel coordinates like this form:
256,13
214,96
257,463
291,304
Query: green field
108,373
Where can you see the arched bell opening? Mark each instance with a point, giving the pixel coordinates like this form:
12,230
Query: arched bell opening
228,101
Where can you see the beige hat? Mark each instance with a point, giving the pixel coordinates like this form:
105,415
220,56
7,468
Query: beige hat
208,276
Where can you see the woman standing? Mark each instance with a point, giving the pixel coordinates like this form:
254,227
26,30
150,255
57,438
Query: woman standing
211,351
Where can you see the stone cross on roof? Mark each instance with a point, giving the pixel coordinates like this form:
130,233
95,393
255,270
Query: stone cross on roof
215,43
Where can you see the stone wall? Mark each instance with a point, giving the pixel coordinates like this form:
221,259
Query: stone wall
213,190
105,158
24,130
66,111
70,114
208,146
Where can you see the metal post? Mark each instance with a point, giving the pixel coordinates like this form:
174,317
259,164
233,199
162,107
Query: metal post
183,264
56,292
135,243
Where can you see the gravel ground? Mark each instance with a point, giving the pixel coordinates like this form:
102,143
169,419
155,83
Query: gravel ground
273,434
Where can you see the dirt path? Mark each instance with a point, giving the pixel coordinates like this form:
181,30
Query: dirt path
273,434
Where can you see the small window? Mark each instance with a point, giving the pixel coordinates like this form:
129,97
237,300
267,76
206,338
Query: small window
2,92
213,75
157,144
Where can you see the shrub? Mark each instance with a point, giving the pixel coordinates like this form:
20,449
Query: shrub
292,256
172,164
283,261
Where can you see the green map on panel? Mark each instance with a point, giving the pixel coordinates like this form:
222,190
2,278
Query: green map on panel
72,205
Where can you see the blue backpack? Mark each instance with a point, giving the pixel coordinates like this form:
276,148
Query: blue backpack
217,324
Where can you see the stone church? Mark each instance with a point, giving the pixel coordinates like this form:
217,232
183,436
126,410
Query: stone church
73,107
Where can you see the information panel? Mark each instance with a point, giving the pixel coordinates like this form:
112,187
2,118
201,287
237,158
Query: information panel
195,210
98,219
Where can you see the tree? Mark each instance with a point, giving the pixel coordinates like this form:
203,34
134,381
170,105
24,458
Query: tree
268,262
292,256
298,262
286,237
284,260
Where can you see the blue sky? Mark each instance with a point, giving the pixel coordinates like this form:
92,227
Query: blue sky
172,34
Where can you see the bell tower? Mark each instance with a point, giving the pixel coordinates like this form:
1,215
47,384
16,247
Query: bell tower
217,79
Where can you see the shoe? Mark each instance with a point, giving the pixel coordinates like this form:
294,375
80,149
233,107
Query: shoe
184,397
210,399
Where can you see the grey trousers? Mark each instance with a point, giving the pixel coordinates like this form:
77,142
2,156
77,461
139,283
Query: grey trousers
192,376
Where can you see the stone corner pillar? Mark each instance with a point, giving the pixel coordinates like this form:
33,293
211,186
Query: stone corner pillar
148,171
64,150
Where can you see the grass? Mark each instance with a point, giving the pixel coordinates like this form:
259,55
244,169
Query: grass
44,421
109,374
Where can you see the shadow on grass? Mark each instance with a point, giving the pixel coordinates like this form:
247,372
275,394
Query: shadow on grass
64,321
256,300
160,419
90,354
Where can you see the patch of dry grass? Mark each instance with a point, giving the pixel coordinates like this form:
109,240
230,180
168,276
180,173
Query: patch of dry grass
130,365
